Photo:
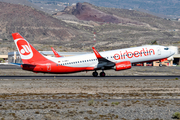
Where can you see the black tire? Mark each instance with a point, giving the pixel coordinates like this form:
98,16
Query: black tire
95,74
102,74
160,65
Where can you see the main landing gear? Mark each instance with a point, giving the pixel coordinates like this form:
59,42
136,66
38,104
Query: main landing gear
102,74
95,74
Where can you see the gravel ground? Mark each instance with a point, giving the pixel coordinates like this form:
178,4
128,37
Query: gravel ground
129,110
72,99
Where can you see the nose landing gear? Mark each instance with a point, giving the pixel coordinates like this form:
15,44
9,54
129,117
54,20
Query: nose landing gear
160,64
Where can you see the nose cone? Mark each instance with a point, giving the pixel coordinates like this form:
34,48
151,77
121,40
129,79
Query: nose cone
172,52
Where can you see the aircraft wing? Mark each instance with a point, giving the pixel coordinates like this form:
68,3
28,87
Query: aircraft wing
103,62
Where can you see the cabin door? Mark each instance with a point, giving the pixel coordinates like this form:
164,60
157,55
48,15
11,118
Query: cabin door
159,51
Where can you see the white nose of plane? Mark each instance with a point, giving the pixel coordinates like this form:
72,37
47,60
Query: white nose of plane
172,52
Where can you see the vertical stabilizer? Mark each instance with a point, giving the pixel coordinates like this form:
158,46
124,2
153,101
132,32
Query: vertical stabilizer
28,53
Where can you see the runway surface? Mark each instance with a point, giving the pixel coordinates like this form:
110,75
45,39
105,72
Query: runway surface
76,100
11,66
90,77
7,66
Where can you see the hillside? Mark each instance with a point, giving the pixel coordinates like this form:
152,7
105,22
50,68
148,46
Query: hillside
21,2
114,28
161,7
36,26
136,29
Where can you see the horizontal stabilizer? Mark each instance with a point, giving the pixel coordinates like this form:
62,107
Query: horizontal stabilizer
18,64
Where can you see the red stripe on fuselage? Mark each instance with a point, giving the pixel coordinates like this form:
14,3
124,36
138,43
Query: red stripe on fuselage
49,68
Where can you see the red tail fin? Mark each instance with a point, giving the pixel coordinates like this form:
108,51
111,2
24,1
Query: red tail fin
28,53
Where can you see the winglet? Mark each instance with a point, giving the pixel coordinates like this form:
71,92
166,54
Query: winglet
96,53
55,53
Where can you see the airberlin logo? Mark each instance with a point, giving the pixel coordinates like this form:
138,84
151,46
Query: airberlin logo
24,49
127,54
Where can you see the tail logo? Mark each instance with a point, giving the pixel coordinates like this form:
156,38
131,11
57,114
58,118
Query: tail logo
24,49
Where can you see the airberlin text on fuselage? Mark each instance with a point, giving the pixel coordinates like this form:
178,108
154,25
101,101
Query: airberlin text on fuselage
136,54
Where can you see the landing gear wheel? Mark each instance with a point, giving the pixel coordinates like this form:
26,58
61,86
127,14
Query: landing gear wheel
95,74
160,65
102,74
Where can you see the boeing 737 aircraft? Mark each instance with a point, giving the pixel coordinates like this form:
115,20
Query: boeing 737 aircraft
120,59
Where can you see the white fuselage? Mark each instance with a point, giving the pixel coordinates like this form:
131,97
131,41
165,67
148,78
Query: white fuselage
134,55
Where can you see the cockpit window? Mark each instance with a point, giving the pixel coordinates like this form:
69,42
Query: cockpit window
166,48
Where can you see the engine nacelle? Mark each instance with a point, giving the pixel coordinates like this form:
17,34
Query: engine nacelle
122,65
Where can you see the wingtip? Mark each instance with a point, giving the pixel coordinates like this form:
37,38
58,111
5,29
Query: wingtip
96,53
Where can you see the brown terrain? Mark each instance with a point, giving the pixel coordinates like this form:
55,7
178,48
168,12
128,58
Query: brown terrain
120,28
21,2
88,13
72,29
34,25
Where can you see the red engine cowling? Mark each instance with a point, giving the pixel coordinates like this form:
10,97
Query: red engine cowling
122,65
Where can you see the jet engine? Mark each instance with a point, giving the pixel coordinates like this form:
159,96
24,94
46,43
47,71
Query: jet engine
122,65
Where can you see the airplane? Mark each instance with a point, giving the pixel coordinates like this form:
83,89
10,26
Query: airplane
119,59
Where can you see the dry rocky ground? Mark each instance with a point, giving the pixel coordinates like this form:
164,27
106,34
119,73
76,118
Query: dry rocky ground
72,99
